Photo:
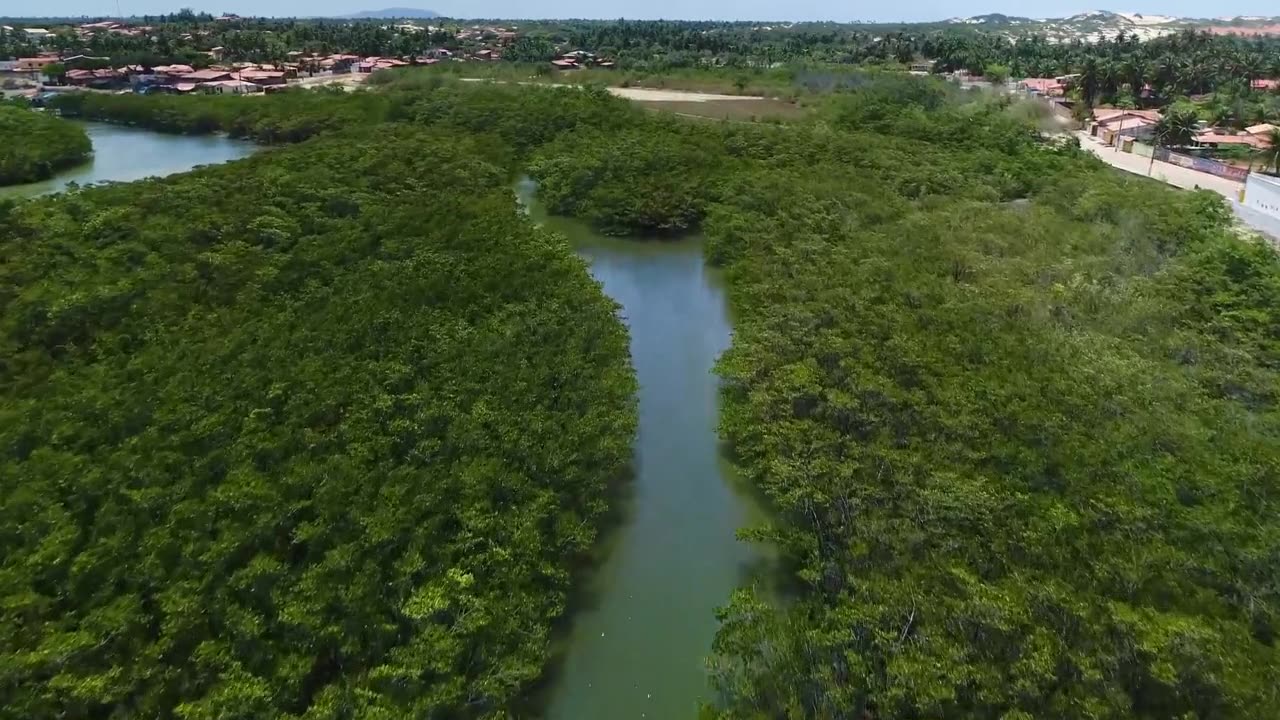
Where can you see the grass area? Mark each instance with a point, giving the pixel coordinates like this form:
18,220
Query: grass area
789,82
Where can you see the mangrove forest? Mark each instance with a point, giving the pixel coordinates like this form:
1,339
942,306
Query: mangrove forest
333,431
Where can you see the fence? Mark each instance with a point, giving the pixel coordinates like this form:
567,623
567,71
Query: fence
1205,165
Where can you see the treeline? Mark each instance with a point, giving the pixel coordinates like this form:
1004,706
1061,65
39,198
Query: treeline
1189,62
322,433
35,146
519,119
289,117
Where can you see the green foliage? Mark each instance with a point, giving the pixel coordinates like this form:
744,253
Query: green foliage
647,179
1022,457
996,73
35,146
321,433
288,117
1014,412
1178,126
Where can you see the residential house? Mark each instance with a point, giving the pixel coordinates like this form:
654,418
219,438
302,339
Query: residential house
1215,138
172,71
205,76
230,87
1047,87
31,65
1263,130
370,64
79,78
261,77
28,68
101,79
1111,124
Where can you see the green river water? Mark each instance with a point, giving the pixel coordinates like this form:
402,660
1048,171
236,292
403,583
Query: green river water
124,153
642,625
636,647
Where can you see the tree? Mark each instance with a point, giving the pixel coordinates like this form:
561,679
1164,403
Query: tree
1178,126
35,146
1089,81
1270,155
996,73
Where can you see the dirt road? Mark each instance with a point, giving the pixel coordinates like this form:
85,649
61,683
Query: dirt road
636,93
654,95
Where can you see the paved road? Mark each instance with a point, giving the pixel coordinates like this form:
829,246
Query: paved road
1176,175
1185,178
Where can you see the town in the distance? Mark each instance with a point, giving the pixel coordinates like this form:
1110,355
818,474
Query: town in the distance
1198,95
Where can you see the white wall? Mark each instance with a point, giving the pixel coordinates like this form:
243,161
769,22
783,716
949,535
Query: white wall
1262,193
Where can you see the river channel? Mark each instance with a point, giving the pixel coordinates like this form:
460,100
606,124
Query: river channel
636,647
643,623
123,153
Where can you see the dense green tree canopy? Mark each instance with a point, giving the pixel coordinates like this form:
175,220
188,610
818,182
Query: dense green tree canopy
1023,455
316,434
1015,413
34,146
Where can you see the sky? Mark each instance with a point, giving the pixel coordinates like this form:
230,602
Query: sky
920,10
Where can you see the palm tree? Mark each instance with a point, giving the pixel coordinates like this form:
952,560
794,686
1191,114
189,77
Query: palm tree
1252,66
1270,155
1089,80
1177,127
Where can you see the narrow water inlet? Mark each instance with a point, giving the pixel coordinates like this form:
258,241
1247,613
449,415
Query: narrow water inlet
121,154
638,647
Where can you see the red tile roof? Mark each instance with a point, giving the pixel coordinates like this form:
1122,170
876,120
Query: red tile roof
206,75
1043,85
1214,138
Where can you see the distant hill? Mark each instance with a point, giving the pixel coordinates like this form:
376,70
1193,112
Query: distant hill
394,14
1099,24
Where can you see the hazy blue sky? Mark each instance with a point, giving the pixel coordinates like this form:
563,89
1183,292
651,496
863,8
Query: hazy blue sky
647,9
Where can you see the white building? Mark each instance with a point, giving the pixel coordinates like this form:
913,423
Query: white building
1262,193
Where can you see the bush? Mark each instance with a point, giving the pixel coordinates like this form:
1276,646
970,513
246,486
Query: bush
35,146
